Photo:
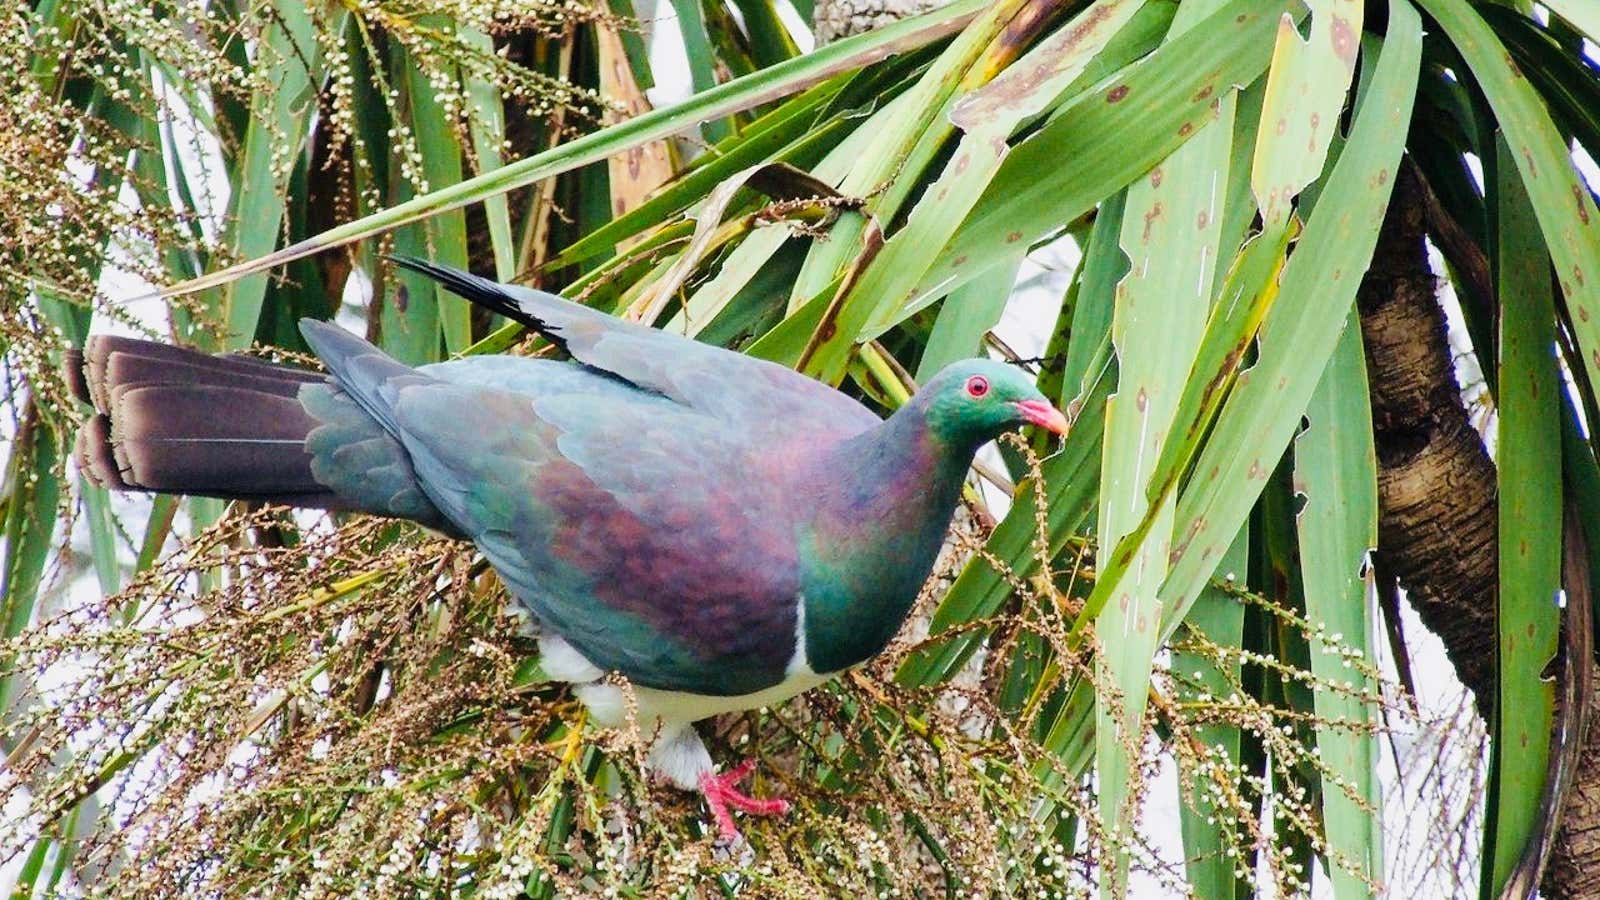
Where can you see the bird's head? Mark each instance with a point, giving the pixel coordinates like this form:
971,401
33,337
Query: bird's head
974,400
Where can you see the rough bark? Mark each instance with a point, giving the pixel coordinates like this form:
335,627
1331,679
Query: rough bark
1436,483
835,19
1573,868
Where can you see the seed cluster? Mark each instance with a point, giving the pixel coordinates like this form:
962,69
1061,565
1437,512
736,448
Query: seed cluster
352,711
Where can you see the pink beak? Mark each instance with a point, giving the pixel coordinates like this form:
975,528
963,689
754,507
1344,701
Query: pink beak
1042,414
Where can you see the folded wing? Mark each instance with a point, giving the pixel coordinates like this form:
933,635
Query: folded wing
769,399
643,531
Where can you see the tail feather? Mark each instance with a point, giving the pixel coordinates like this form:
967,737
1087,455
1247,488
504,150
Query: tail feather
200,438
125,370
77,380
507,300
173,420
94,454
177,421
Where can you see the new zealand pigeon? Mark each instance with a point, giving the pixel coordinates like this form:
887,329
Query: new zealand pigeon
722,531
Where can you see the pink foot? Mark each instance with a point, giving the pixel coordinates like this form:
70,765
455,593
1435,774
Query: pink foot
721,794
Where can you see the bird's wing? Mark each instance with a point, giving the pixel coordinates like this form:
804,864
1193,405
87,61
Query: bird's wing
618,516
763,396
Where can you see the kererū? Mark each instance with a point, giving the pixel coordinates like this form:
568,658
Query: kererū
722,531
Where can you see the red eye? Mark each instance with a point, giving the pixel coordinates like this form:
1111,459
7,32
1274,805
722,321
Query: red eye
977,386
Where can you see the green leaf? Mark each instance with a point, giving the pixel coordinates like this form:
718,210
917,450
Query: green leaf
408,316
1335,468
280,112
1565,210
966,316
761,141
1218,618
664,289
1244,299
162,510
102,535
1305,92
32,492
702,60
441,166
32,868
60,17
1529,524
1583,14
487,122
1300,332
785,342
902,141
77,828
1170,231
1104,266
1566,82
988,117
633,44
738,270
770,41
739,94
1107,137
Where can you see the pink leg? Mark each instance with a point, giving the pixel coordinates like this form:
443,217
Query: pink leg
721,793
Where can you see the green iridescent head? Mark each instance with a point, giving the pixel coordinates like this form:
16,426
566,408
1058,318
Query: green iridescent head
973,401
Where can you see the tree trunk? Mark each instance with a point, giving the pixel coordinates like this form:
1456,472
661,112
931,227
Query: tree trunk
1436,483
835,19
1574,859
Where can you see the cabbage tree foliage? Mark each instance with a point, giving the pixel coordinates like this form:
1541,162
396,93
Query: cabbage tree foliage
1151,667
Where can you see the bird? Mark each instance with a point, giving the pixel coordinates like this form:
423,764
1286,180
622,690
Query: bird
723,532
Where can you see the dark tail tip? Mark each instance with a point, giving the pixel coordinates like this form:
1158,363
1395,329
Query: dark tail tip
482,291
95,456
77,380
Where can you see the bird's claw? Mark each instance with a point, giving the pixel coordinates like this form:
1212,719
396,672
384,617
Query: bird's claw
722,795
